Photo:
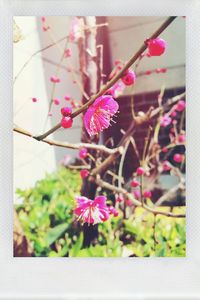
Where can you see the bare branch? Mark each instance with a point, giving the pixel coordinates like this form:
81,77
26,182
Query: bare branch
116,189
70,145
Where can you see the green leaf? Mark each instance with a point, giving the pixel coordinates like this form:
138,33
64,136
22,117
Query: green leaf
54,233
77,246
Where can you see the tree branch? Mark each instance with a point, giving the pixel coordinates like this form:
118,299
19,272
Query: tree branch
116,189
113,80
70,145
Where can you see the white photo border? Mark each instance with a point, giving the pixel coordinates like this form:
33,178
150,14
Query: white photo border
101,278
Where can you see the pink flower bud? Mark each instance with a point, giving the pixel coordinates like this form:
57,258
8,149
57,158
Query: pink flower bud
66,122
43,19
113,211
117,62
166,166
173,114
34,99
83,153
148,72
119,198
67,53
140,171
147,194
129,78
66,111
164,149
136,194
45,28
67,97
181,138
135,183
56,101
129,202
84,173
180,105
156,47
179,158
172,130
54,79
165,121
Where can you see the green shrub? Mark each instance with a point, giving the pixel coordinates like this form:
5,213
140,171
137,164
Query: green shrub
47,218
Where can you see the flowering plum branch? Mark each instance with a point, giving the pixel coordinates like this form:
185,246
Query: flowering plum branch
113,80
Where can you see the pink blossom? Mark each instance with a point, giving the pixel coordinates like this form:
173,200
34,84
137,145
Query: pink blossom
45,28
66,111
116,90
147,194
66,122
83,153
161,70
179,158
67,53
129,202
180,105
136,194
67,97
181,138
113,211
166,165
135,183
84,173
43,19
119,198
173,114
129,77
34,99
54,79
92,211
56,101
76,29
164,149
99,114
165,121
156,47
140,171
148,72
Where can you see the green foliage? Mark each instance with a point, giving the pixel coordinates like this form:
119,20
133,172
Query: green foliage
47,218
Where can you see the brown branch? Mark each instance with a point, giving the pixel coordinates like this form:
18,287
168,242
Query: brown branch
70,145
114,79
163,213
116,189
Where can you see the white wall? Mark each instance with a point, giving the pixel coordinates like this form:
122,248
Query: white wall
31,159
60,28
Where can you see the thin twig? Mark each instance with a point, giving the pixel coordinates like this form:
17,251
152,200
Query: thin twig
116,189
69,145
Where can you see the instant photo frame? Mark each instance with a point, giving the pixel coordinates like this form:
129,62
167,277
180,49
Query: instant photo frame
100,278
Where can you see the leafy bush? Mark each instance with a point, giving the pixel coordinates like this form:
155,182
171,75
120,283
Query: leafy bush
47,218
